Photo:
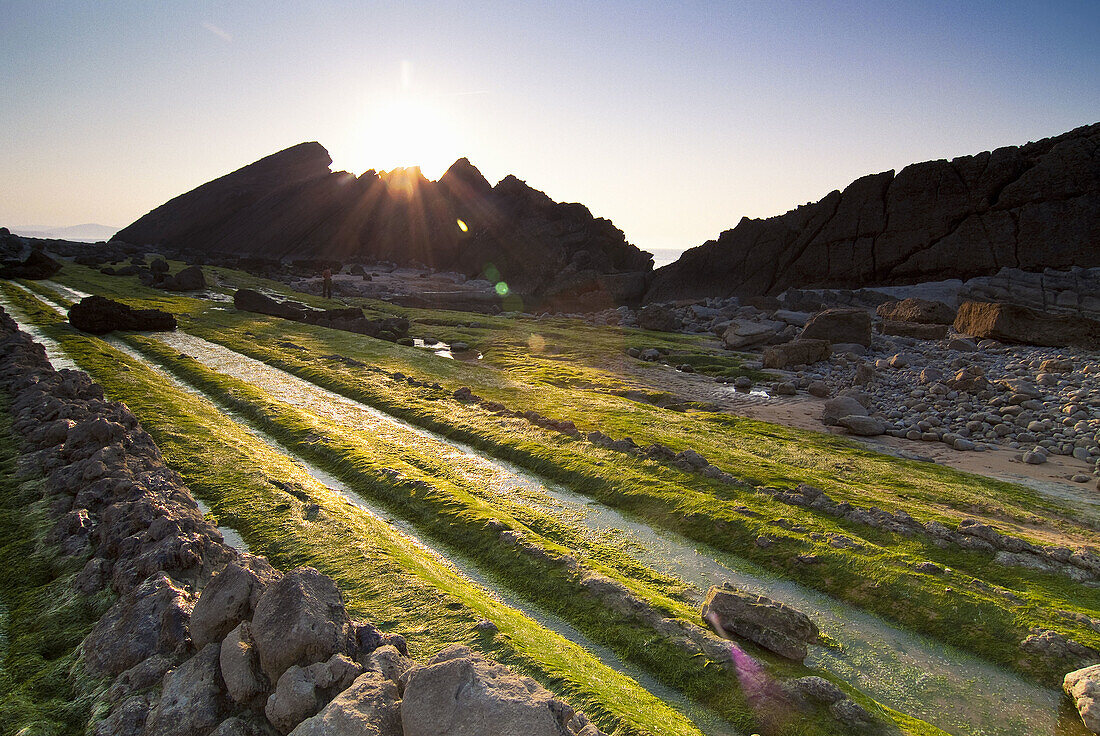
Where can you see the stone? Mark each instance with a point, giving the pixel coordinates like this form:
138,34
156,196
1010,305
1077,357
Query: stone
796,352
229,598
98,315
189,279
1083,688
191,701
248,300
961,344
370,707
773,625
245,682
459,693
1034,458
1015,324
1056,365
295,699
393,664
658,317
921,311
820,389
863,426
746,333
839,325
151,619
841,406
300,619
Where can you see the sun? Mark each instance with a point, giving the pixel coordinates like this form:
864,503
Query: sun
402,132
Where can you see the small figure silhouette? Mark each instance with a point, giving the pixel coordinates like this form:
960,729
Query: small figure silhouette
326,291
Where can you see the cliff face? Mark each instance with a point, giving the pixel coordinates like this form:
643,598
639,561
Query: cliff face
289,205
1031,207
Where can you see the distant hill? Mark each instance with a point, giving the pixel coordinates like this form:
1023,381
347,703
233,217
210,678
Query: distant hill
289,205
87,233
1031,207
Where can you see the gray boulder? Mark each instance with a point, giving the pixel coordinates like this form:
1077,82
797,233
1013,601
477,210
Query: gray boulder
840,325
773,625
459,693
796,352
192,701
1083,687
841,406
300,619
745,333
863,426
151,619
370,707
658,317
229,598
240,665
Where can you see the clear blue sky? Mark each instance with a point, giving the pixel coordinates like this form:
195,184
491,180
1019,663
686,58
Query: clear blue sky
671,119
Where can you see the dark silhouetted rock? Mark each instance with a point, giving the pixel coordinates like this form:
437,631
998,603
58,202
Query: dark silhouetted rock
289,205
1012,323
189,279
37,265
248,300
99,315
1031,207
658,317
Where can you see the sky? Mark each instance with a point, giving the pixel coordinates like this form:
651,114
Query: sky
672,119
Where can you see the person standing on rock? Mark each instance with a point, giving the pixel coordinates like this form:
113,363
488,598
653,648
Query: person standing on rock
326,291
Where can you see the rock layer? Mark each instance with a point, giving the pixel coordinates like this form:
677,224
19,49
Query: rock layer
1031,207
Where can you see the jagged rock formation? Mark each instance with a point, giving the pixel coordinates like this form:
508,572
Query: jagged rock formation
1031,207
290,205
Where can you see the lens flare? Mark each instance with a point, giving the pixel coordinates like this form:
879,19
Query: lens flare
502,288
463,226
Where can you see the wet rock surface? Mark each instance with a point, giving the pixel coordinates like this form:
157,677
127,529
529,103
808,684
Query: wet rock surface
773,625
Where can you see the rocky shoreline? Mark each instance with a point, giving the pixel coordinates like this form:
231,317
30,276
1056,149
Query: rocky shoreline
205,640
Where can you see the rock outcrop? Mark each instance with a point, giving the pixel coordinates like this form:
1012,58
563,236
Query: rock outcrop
290,205
1030,207
1083,686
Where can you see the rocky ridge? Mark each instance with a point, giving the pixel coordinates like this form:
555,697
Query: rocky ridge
1027,207
203,639
290,205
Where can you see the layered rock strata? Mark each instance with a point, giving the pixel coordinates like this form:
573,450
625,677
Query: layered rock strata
1028,207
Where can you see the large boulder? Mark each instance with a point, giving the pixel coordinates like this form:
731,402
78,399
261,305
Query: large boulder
229,598
921,311
249,300
1083,687
459,693
862,425
370,707
151,619
98,315
840,325
796,352
300,619
189,279
658,317
747,333
1012,323
192,702
302,691
773,625
245,682
841,406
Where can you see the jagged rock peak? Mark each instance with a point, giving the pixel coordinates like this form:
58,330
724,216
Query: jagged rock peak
464,179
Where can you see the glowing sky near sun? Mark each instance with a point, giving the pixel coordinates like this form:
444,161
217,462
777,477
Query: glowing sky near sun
671,119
